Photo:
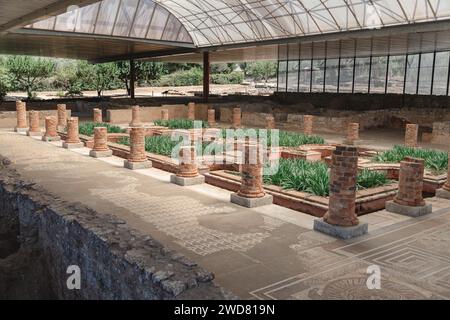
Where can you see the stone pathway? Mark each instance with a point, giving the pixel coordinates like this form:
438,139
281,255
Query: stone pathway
265,253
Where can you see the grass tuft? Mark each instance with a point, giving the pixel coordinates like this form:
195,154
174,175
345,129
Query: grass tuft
87,128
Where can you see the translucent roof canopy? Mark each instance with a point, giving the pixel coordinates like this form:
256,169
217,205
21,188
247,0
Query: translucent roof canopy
220,22
143,19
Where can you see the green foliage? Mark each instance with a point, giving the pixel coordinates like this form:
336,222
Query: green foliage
235,77
4,83
102,77
286,138
192,77
87,128
27,72
435,161
179,123
262,70
162,145
313,177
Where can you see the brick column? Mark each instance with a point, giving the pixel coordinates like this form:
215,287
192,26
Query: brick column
98,115
237,115
21,114
191,111
34,124
352,133
100,148
308,124
62,116
164,114
270,122
409,199
135,117
411,135
251,193
188,169
341,219
51,133
73,136
211,117
137,158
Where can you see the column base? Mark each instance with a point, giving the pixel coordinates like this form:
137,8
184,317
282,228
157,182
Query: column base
21,130
137,165
34,134
414,212
340,232
100,154
442,193
184,182
251,202
73,145
51,139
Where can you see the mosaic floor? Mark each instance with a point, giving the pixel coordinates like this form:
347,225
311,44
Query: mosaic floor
265,253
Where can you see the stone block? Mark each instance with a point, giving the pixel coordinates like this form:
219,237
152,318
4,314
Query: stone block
73,145
34,134
181,181
339,231
251,202
100,154
50,139
21,130
410,211
137,165
444,194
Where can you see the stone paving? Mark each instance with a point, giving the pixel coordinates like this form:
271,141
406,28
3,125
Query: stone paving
263,253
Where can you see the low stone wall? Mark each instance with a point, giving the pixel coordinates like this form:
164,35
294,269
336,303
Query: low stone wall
115,261
8,119
441,133
150,114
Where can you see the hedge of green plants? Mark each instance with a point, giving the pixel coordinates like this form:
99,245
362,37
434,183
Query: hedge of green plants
435,161
313,177
87,128
179,123
286,138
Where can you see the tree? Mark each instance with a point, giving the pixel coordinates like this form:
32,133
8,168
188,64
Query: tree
262,70
4,82
101,77
27,72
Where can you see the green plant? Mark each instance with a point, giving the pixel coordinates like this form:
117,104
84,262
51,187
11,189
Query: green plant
4,83
28,72
435,161
235,77
313,177
192,77
262,70
87,128
179,123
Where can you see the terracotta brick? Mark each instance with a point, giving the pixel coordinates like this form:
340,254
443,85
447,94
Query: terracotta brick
51,127
211,117
62,115
410,185
135,117
411,135
191,111
252,173
342,200
237,115
97,115
188,167
73,130
270,122
308,122
137,145
352,133
100,139
21,110
164,114
34,121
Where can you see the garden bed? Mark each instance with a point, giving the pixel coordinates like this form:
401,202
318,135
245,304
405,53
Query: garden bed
367,200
